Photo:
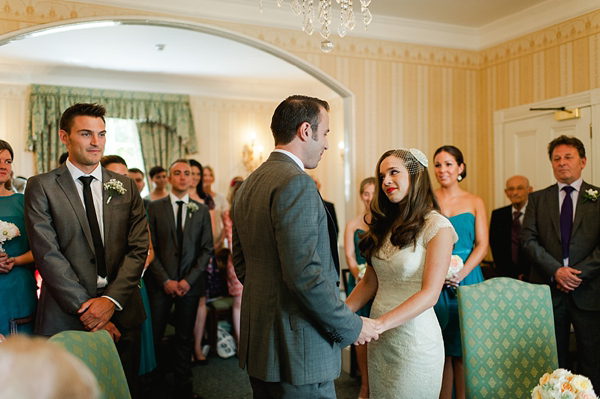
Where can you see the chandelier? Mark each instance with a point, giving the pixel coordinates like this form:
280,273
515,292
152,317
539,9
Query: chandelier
322,15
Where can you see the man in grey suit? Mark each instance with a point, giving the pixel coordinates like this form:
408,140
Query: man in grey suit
293,323
561,236
88,233
183,244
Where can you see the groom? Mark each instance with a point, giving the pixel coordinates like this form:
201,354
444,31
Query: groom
293,323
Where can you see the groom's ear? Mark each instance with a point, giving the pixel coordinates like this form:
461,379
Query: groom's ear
304,131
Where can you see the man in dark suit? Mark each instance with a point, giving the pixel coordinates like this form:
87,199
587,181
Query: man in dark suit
293,323
88,233
561,237
183,243
329,206
505,227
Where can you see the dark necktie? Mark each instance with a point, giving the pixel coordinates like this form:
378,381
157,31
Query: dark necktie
90,211
566,220
179,227
514,236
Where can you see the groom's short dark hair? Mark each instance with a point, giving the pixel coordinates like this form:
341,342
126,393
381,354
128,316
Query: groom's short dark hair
293,112
80,109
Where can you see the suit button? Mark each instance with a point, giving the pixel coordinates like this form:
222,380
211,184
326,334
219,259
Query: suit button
92,261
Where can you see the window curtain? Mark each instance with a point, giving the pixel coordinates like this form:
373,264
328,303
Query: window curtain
166,116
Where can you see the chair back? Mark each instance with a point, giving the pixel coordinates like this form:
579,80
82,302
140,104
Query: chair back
98,351
507,334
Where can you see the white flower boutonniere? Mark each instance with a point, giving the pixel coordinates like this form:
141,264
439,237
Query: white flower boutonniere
114,187
591,195
191,207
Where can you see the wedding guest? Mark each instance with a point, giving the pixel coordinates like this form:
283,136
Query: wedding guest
138,177
293,323
407,247
18,297
183,243
329,205
505,227
117,164
33,368
561,236
158,176
63,158
91,241
197,193
221,205
234,287
467,214
355,230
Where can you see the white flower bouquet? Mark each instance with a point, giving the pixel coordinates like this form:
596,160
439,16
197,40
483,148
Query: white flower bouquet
456,265
8,231
562,384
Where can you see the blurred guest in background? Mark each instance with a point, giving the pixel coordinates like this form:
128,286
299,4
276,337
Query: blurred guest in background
158,175
221,205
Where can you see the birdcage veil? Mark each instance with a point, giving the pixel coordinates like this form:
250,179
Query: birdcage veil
414,160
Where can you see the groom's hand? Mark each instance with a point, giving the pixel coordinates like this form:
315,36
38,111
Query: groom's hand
96,312
368,331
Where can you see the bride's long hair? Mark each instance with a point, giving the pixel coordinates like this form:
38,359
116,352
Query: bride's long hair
404,219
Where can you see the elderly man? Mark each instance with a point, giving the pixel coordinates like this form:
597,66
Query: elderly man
505,227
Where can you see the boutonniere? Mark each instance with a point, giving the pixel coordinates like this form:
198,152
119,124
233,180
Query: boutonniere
191,207
114,187
591,195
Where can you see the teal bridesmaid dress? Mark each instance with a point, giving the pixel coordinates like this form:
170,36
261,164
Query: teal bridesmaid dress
18,297
446,308
365,310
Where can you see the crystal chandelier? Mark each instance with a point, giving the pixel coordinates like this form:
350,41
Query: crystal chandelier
323,17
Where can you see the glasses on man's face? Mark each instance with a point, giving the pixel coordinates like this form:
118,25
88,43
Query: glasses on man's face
513,189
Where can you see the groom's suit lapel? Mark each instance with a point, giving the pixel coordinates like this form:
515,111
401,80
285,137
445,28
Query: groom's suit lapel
581,207
66,183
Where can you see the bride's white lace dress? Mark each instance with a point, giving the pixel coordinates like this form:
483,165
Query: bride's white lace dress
407,361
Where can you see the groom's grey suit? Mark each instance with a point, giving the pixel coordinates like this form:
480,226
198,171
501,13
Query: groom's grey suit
541,239
293,323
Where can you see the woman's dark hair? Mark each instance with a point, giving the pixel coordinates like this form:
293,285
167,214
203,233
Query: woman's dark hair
405,219
5,146
156,170
208,200
458,156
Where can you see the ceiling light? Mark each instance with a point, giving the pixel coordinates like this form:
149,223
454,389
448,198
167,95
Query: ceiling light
322,15
160,47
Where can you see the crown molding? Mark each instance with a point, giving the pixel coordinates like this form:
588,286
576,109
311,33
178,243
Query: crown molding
382,27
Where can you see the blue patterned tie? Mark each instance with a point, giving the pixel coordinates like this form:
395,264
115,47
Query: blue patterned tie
566,220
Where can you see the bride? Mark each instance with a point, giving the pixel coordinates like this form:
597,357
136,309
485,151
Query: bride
408,249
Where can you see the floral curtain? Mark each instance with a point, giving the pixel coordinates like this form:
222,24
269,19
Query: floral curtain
160,146
171,111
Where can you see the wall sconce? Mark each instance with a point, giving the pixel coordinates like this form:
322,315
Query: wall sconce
252,154
342,147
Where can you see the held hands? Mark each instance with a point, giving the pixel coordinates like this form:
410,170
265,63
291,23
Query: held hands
176,288
96,312
370,331
6,263
566,278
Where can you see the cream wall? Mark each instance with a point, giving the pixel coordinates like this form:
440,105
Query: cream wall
411,95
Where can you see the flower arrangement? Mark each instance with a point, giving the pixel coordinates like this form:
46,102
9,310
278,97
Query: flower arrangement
456,265
562,384
591,195
8,231
114,187
191,207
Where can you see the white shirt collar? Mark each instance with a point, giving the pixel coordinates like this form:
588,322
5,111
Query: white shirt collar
576,184
174,199
76,173
522,210
294,157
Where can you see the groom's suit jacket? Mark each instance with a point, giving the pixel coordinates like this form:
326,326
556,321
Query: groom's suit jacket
197,244
293,323
63,249
541,239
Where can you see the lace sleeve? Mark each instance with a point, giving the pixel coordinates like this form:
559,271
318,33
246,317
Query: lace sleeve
433,223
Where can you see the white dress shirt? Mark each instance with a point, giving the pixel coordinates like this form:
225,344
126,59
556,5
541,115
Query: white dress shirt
174,199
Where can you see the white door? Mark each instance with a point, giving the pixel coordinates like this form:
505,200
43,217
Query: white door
526,146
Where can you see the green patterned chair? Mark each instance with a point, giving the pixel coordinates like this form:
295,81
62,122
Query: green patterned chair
507,334
97,350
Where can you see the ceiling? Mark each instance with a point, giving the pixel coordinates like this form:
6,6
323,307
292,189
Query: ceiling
129,57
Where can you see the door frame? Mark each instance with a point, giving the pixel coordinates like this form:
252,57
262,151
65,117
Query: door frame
589,98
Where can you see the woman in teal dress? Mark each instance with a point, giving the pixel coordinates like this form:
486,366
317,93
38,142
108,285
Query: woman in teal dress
352,235
18,297
467,214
